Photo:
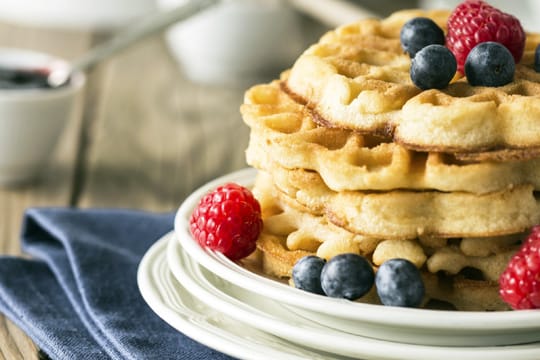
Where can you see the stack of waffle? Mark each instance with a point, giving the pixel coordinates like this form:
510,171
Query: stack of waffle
354,158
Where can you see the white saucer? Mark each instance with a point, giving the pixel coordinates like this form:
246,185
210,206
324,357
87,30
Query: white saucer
176,306
414,326
268,315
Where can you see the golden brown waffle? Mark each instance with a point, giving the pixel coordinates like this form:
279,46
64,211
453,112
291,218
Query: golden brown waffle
357,77
284,132
303,230
290,234
409,214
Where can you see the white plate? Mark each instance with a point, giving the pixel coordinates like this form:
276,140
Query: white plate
415,326
268,315
170,301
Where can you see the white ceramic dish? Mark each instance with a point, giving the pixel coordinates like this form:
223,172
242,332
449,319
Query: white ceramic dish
271,316
33,119
237,42
414,326
169,300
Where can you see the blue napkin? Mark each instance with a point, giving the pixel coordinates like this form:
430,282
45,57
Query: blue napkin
77,298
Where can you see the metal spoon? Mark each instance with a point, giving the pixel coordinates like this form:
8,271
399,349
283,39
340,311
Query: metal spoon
58,75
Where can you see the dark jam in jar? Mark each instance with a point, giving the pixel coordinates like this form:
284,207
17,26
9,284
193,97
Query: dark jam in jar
23,78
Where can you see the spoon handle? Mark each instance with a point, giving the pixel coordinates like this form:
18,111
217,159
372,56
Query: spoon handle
147,26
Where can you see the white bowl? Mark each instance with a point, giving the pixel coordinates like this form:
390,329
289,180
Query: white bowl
74,14
236,42
32,120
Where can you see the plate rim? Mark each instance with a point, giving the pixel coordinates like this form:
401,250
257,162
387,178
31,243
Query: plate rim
397,316
154,299
370,346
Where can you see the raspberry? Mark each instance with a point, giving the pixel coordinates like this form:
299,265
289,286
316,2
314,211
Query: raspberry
519,284
227,220
473,22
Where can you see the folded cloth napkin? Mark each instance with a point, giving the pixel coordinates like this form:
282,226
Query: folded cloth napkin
77,298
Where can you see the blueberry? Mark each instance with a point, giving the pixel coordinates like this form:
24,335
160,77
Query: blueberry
418,33
348,276
489,64
433,67
537,58
399,283
306,274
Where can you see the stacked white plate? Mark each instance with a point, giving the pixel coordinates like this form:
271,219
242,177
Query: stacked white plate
241,313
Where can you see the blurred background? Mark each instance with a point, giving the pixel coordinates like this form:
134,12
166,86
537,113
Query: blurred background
180,89
174,98
162,117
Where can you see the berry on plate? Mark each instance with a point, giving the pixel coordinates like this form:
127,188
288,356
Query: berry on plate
433,67
519,284
399,283
306,274
474,21
227,220
348,276
418,33
489,64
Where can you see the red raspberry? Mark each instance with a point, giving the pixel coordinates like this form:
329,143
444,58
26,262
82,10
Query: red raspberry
227,220
474,21
519,284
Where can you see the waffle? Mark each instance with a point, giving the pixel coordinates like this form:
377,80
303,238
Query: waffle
357,77
354,158
284,132
305,231
408,214
290,234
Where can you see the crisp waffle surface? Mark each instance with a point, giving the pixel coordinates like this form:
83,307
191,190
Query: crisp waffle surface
471,266
354,158
357,77
285,132
402,214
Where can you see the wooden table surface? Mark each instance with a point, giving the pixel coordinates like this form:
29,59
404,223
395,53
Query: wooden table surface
147,138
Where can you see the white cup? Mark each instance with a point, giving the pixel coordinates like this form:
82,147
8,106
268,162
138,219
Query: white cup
236,42
33,119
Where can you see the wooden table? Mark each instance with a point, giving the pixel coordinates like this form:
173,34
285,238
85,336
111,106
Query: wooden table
146,139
